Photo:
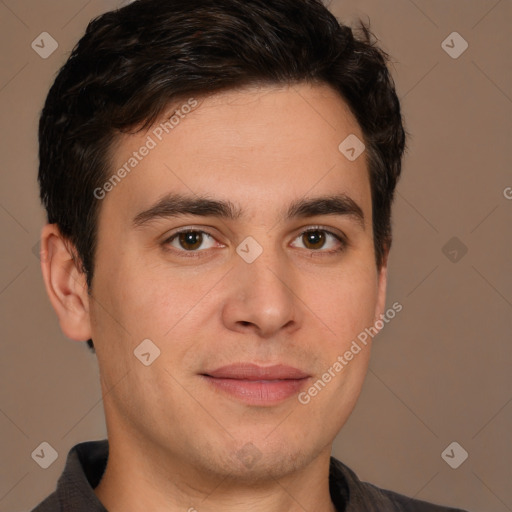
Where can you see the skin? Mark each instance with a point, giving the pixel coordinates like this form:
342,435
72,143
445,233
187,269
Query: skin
176,442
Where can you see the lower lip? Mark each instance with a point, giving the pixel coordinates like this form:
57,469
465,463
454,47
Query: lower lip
258,392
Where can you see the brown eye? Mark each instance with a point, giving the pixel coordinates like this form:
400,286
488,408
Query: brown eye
313,239
190,240
193,241
321,241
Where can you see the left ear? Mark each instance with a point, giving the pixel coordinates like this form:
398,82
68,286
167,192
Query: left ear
382,280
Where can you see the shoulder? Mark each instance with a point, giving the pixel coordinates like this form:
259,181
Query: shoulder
83,470
363,496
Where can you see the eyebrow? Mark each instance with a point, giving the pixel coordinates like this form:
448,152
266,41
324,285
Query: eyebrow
340,204
175,205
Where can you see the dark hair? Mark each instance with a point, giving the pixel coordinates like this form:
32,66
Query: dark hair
133,62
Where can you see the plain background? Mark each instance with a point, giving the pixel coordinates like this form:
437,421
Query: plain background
440,371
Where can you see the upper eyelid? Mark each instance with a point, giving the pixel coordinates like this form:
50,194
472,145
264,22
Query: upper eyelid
187,230
172,237
338,235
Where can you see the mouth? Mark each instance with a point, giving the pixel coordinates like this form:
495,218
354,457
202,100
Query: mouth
257,385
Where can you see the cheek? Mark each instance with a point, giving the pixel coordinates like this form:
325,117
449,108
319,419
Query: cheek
345,302
150,300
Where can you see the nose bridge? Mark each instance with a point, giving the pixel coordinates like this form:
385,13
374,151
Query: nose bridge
263,296
266,277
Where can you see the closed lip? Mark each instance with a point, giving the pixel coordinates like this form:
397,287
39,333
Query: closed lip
254,372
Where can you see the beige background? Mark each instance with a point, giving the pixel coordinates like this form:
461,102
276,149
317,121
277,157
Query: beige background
440,371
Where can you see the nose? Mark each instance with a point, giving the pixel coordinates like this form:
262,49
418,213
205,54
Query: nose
262,299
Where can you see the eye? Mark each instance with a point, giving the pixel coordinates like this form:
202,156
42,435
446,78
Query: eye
317,239
191,240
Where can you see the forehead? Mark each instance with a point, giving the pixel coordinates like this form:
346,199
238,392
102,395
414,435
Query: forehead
258,144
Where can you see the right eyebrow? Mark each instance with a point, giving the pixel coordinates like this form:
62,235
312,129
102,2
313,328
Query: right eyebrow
173,205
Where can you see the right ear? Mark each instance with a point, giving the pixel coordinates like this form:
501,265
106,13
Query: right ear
66,283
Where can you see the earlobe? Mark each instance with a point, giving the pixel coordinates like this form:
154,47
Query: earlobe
65,283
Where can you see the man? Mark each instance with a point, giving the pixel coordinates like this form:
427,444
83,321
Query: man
218,177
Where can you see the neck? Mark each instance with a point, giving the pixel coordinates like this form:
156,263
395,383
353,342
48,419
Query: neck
142,478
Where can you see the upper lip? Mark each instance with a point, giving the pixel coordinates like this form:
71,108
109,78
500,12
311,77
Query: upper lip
250,371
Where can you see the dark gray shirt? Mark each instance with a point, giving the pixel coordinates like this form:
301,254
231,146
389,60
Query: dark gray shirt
86,463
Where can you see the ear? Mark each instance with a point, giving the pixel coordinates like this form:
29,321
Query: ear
66,284
382,280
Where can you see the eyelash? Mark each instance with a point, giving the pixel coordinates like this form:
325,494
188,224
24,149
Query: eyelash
341,239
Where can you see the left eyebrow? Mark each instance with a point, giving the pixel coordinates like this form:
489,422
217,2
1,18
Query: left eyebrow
331,205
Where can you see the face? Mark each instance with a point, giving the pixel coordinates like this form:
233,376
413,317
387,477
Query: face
241,245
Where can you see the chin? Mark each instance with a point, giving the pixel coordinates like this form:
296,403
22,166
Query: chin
254,465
